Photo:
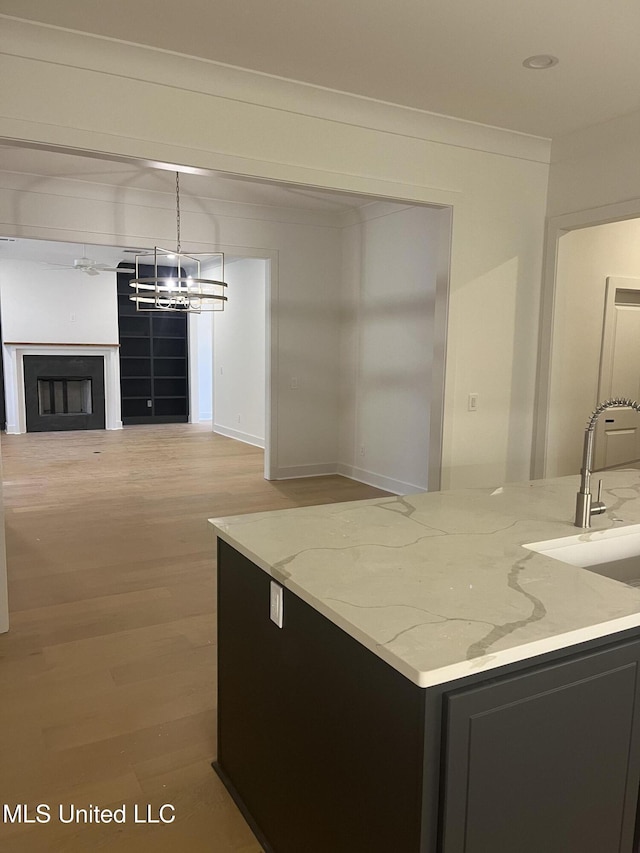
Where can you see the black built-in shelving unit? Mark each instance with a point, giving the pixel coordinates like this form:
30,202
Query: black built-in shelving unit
154,383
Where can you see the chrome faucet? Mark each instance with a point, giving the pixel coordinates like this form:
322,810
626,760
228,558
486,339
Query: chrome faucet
585,505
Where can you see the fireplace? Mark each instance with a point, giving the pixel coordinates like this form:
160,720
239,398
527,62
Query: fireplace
77,385
65,396
64,392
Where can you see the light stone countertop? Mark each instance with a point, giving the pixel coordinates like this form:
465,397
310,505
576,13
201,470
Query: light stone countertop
438,584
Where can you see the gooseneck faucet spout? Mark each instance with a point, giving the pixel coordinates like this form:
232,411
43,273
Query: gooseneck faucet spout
585,505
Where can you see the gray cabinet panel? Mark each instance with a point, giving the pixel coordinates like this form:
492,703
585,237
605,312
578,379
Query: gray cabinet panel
541,761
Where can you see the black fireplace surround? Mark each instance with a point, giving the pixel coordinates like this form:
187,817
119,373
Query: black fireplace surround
64,392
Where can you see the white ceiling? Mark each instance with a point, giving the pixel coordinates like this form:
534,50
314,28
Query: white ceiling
51,254
458,57
39,163
226,187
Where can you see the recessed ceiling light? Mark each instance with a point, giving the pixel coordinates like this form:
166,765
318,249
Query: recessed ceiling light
540,61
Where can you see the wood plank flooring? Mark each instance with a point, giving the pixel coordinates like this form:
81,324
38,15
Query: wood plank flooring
107,675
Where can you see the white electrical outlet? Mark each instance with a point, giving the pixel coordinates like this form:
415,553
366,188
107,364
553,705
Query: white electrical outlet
294,383
472,402
363,450
276,603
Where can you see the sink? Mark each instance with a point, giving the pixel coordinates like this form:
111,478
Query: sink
614,553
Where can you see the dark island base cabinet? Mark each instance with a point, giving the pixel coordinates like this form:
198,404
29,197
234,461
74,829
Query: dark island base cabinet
546,760
327,749
312,727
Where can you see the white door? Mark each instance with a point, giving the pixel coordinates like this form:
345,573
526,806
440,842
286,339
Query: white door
617,438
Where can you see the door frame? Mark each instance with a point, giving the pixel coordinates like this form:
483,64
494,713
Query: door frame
441,393
556,227
446,201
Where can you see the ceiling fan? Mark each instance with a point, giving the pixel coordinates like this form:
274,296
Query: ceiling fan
89,266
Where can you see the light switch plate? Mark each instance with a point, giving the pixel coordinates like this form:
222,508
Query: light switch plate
276,603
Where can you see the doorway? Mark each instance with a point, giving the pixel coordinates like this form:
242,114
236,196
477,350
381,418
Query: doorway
320,418
617,435
305,388
572,342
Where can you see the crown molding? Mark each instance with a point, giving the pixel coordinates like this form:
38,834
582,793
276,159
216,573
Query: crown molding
73,49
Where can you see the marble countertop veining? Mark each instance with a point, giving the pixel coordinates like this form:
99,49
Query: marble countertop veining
439,584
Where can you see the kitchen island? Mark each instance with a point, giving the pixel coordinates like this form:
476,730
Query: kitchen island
434,685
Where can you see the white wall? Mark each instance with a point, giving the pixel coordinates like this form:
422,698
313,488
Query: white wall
389,275
41,305
493,330
66,94
586,258
595,167
239,354
200,367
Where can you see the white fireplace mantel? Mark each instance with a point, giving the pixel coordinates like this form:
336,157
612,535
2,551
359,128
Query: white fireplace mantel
13,354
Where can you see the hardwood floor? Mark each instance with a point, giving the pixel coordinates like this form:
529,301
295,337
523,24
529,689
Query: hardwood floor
107,675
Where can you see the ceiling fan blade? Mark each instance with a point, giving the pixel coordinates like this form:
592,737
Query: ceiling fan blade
103,268
86,265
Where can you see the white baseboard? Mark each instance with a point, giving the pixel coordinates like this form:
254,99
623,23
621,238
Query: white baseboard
239,436
397,487
117,426
317,469
322,469
205,419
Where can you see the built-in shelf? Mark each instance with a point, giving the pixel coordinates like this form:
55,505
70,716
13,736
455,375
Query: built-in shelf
146,337
152,342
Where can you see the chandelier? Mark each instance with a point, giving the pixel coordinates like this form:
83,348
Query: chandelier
168,280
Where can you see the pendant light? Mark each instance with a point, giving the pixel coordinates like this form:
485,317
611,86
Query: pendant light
168,280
